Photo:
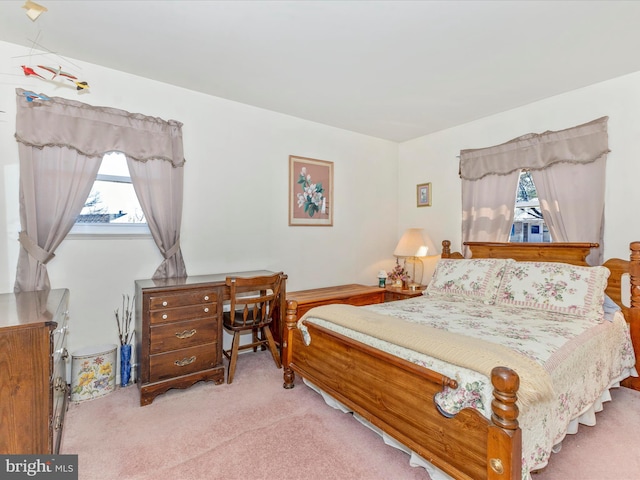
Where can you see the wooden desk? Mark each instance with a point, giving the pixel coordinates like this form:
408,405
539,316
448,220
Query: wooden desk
352,294
179,330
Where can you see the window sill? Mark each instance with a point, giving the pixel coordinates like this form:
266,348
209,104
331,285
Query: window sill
86,231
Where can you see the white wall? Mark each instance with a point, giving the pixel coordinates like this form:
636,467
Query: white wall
235,203
432,158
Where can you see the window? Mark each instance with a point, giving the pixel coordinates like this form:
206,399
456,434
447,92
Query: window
528,223
112,207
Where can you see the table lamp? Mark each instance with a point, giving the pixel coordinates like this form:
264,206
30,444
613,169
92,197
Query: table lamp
411,247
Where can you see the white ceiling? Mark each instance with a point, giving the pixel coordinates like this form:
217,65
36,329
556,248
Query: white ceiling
391,69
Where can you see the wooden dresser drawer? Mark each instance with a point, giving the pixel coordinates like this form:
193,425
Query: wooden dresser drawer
182,362
392,293
168,315
181,299
178,335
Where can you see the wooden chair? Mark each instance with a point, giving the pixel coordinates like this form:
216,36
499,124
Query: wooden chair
253,302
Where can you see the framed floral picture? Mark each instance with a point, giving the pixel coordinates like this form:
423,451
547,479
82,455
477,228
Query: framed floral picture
310,192
424,194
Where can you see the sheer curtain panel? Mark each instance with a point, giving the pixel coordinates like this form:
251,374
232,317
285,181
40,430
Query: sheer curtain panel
61,145
159,185
487,208
54,185
572,203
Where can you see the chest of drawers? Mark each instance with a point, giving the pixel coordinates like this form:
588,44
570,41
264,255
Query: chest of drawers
179,331
180,337
33,382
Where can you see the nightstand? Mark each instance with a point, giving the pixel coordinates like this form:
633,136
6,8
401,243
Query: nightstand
396,293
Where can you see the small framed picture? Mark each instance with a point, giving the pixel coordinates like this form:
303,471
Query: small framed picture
424,195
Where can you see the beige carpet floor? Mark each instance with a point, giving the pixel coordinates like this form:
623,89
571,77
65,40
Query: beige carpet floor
255,429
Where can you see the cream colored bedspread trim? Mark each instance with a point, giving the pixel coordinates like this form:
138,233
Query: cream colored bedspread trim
472,353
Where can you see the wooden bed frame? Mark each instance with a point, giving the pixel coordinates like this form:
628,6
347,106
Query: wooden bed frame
398,396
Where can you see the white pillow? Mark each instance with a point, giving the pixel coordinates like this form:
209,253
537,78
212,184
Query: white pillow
477,278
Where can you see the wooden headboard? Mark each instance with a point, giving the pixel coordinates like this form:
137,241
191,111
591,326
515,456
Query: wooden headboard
564,252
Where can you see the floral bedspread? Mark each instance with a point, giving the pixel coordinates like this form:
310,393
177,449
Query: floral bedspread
583,357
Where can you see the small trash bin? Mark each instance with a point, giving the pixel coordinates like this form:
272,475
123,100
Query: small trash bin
93,372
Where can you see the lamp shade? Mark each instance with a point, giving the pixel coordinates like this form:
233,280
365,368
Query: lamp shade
412,244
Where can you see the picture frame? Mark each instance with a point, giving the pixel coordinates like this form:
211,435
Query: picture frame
310,192
423,194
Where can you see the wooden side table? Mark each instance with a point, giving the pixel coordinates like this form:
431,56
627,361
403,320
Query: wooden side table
398,293
352,294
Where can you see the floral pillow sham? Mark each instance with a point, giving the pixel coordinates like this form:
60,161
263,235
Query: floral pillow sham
475,278
555,287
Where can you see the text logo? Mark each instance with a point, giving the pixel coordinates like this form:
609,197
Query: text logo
45,467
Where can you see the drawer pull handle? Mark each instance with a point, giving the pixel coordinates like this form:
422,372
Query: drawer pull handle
496,466
206,310
58,423
61,330
59,385
164,304
165,316
186,333
185,361
206,297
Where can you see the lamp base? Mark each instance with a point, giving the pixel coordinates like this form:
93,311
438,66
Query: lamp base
417,268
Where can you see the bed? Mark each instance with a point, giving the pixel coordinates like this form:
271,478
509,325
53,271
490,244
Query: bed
413,402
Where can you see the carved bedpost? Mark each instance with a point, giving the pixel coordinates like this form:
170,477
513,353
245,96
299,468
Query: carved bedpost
504,442
634,311
634,272
446,249
289,328
503,407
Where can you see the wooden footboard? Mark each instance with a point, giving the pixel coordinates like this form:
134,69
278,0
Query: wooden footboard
398,397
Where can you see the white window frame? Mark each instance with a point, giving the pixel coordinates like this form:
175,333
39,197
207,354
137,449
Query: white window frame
92,230
528,224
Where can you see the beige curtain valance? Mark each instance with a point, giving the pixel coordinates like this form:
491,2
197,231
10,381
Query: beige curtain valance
535,151
97,130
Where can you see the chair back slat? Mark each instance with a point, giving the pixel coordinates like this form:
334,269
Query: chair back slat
253,300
